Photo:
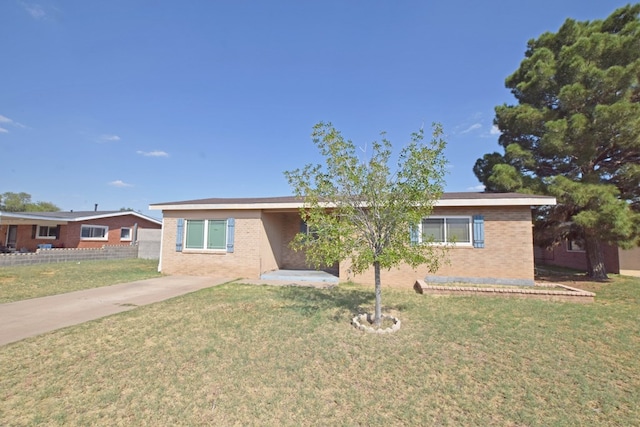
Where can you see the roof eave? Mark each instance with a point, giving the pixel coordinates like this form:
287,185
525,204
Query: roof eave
525,201
10,218
16,218
226,206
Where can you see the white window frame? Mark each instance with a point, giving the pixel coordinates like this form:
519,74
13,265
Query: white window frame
571,244
103,227
126,239
446,241
49,229
206,235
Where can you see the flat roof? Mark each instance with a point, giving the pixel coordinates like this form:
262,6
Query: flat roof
293,202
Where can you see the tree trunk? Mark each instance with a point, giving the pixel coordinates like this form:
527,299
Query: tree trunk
595,259
377,319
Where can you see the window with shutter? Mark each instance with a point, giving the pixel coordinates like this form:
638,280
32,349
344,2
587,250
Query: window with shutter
478,231
446,230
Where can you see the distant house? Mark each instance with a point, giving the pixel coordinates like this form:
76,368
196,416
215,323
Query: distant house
28,231
571,255
249,238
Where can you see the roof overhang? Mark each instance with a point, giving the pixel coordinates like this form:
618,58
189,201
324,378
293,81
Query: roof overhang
232,204
507,201
9,218
24,218
228,206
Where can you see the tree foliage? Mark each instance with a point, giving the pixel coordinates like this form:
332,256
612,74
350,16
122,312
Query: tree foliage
575,133
359,208
21,202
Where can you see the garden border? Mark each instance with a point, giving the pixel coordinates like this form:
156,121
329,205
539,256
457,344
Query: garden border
569,294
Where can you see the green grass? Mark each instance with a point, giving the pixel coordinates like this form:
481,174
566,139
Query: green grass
258,355
23,282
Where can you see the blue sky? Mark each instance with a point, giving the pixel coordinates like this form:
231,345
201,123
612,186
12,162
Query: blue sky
128,103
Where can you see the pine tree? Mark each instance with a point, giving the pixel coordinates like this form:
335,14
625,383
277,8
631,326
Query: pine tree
575,133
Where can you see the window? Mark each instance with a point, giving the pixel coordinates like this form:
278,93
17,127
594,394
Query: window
208,234
446,230
309,231
573,246
47,232
125,233
94,232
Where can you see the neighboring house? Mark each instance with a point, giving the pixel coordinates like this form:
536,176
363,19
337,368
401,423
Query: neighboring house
249,237
571,255
28,231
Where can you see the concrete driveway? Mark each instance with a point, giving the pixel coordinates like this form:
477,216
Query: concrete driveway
23,319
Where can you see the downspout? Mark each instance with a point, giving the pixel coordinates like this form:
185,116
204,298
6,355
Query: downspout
134,240
161,244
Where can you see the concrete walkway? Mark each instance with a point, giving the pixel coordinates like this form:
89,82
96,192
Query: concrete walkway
28,318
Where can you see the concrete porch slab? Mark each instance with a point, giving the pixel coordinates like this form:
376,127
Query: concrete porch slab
300,276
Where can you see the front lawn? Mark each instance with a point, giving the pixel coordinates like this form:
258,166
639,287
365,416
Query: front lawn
258,355
32,281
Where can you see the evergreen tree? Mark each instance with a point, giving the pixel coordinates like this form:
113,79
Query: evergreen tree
575,133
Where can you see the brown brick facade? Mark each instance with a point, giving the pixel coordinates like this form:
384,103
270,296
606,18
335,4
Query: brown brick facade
244,261
262,238
507,256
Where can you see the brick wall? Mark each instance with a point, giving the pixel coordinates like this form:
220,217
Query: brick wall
506,258
271,243
561,256
244,261
291,259
47,256
72,239
296,260
69,236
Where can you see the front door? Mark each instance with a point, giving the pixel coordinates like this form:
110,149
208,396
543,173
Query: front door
12,236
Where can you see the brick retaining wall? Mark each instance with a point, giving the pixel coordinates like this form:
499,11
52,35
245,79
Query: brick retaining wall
47,256
543,291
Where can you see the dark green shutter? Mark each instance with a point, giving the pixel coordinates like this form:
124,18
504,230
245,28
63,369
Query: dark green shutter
34,228
478,231
231,225
179,235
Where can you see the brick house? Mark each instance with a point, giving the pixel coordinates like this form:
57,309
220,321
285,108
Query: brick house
28,231
249,238
571,255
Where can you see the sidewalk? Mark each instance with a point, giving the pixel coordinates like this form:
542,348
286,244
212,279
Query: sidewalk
28,318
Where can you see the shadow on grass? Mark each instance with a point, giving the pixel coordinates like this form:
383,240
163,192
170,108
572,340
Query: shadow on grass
309,301
549,273
340,301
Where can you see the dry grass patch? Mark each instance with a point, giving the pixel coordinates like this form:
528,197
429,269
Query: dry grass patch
257,355
32,281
